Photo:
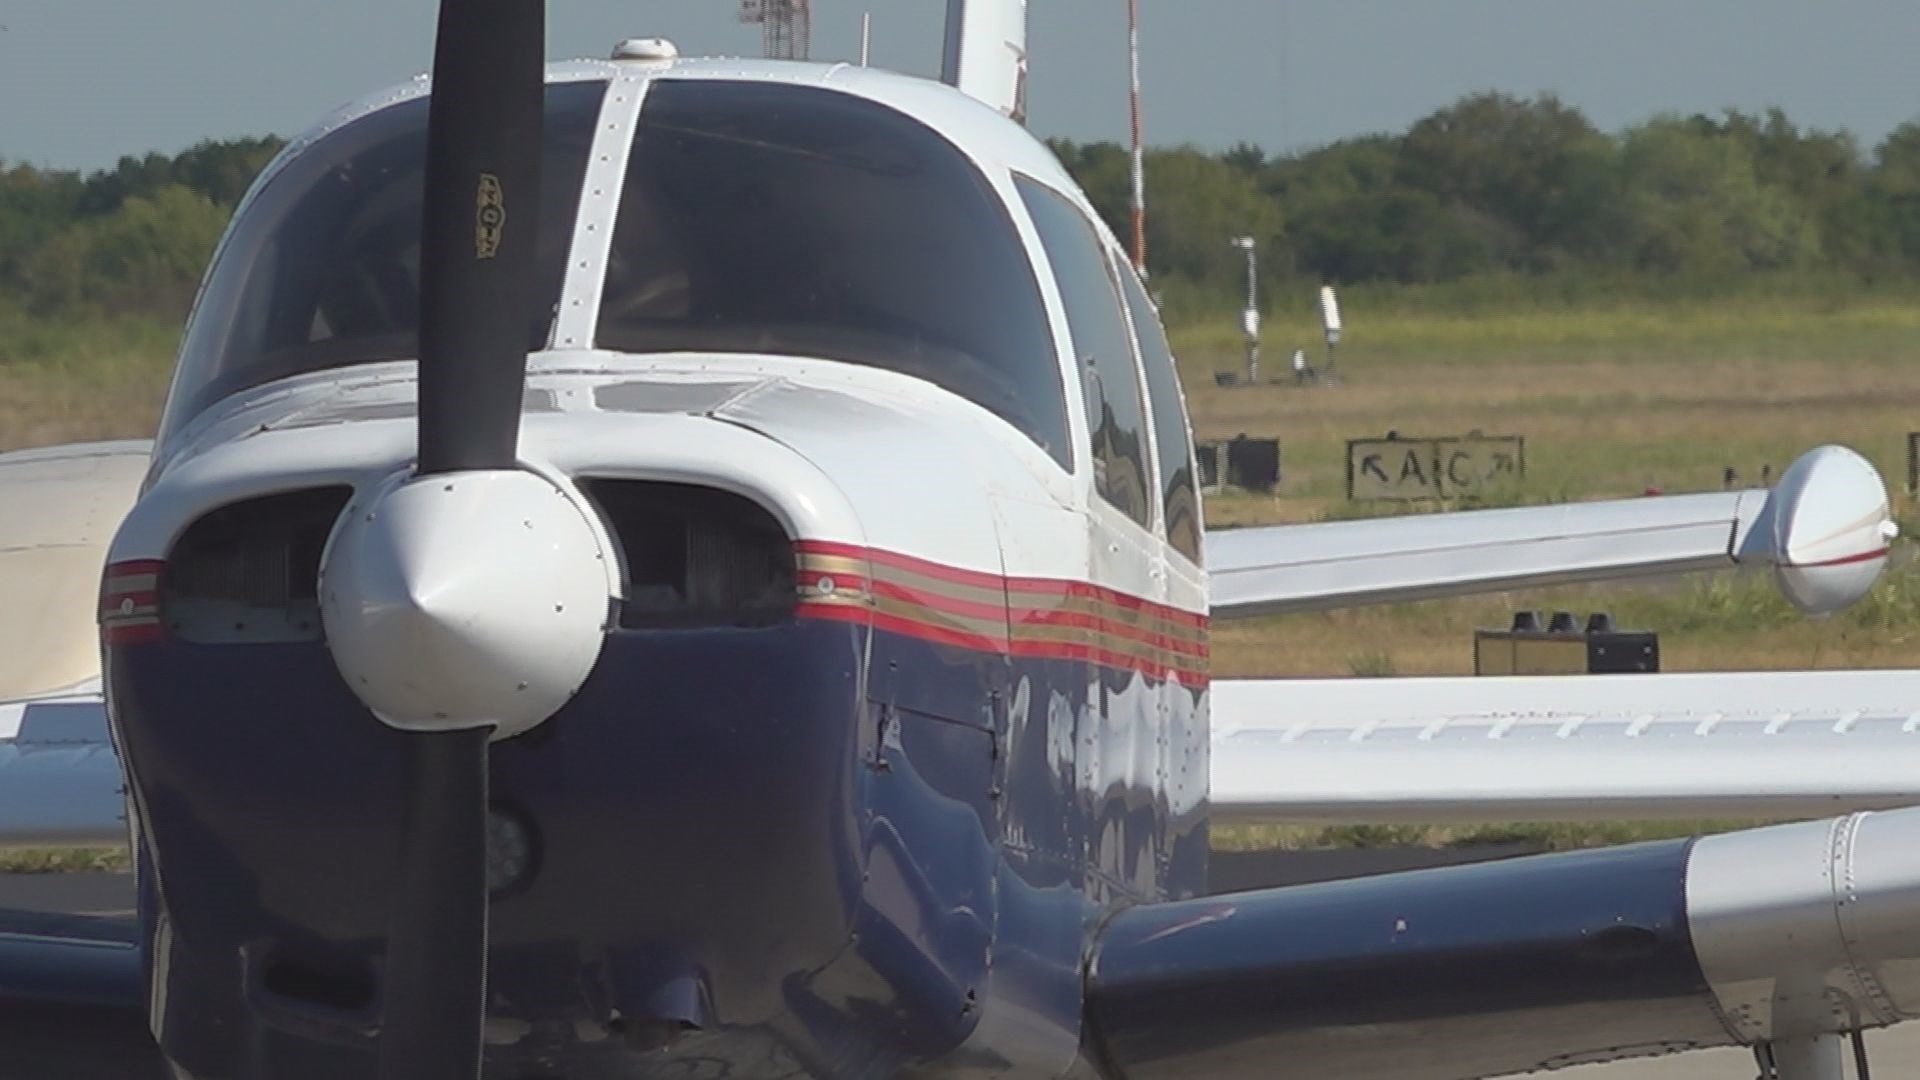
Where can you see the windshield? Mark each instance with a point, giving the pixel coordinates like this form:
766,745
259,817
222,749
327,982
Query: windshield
322,270
798,221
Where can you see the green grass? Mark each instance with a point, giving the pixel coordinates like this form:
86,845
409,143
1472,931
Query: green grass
88,376
1546,836
62,860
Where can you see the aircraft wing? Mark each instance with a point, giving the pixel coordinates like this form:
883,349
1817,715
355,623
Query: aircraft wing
1760,745
72,999
1783,934
62,506
60,782
1824,530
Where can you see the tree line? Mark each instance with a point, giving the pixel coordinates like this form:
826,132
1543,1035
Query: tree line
133,238
1490,185
1500,185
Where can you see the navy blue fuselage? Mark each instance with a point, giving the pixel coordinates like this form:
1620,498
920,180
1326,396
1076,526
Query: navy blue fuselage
809,848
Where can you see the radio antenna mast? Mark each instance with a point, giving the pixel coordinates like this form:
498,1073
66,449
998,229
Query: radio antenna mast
786,26
1139,148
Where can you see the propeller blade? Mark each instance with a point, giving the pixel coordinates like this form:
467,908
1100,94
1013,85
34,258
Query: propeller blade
478,234
480,230
437,941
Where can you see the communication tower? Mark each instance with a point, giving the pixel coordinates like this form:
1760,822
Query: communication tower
786,26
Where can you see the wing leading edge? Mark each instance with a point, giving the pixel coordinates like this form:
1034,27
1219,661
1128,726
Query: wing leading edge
1762,745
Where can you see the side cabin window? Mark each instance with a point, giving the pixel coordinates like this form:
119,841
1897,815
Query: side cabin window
322,268
1116,416
801,221
1170,432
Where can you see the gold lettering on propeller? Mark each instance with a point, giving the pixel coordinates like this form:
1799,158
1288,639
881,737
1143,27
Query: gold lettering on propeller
490,216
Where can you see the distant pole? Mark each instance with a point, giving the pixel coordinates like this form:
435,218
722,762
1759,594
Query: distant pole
1250,315
1139,148
866,36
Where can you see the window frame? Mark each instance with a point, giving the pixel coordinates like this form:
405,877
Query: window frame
205,374
1163,475
982,177
1024,182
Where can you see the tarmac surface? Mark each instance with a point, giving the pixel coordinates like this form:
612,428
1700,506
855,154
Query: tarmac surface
1893,1052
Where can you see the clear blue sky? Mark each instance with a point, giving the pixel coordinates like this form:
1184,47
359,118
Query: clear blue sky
84,81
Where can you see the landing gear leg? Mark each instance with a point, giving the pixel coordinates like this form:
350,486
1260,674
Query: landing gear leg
1815,1057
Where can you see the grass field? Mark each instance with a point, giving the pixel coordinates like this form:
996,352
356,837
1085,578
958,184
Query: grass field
1614,397
1613,401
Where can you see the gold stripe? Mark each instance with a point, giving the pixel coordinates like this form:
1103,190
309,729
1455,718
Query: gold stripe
1080,635
956,590
1184,646
900,576
906,609
833,564
1152,622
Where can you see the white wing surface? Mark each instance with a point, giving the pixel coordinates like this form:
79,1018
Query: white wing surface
1824,530
60,782
59,508
1761,745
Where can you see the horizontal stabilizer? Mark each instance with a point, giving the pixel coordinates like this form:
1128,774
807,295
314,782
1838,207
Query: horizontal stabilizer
1521,964
1823,530
1735,745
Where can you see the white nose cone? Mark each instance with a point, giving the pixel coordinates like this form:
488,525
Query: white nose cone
1831,529
465,600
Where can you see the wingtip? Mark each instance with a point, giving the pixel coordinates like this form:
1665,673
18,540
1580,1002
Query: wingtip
1832,529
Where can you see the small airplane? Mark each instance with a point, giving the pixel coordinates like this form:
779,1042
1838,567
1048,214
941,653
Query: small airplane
669,567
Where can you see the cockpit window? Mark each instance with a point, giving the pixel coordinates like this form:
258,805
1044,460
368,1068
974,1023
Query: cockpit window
798,221
323,269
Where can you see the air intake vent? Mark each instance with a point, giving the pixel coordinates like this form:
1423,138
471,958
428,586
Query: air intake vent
696,557
249,572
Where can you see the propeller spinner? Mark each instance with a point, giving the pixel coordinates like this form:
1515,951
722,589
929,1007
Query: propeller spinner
467,601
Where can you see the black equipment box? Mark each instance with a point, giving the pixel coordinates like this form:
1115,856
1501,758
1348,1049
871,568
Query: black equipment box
1564,647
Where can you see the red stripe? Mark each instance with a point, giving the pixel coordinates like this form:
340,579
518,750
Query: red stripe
1843,560
113,598
952,604
1140,630
912,628
833,612
939,571
135,566
1110,628
131,635
1049,650
1042,586
942,634
843,584
940,603
1083,590
1054,650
